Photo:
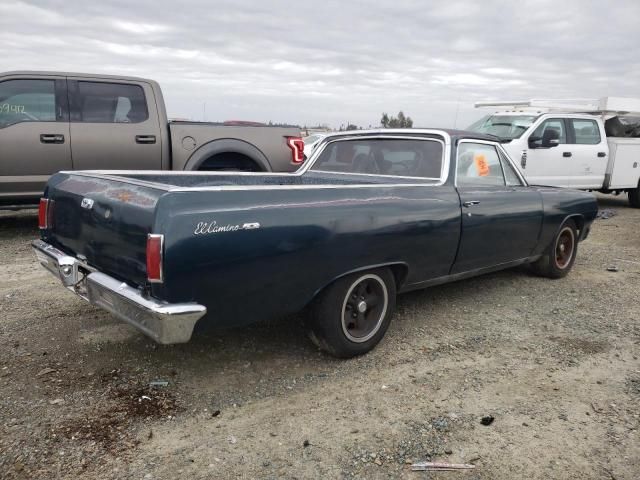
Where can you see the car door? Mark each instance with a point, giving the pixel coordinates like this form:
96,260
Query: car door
501,216
549,164
589,152
114,125
34,135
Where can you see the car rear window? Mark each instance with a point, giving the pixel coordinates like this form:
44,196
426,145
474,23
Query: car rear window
395,157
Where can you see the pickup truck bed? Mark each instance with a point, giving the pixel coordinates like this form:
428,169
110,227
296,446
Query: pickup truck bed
248,247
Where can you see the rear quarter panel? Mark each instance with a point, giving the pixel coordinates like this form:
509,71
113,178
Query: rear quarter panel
560,204
190,142
307,238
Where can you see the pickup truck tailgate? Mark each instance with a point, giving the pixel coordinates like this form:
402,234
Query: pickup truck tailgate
103,221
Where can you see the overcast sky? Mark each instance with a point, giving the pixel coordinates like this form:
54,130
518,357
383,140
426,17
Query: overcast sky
336,61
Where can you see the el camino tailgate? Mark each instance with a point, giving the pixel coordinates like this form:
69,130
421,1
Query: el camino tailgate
103,220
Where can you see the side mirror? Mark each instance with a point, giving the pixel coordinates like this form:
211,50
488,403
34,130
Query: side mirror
550,138
535,142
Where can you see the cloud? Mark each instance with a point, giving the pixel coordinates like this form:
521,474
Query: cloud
338,61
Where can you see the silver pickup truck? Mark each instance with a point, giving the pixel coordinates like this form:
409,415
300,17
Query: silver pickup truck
54,121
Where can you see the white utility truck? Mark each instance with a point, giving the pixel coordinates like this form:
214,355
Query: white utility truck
582,144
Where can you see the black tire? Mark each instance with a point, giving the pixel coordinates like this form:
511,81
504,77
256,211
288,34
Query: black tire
561,254
329,325
231,161
634,197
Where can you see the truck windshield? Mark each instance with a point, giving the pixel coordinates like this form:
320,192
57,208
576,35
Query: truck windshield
506,127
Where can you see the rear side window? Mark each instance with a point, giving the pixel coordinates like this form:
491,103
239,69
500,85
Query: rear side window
402,158
586,131
99,102
27,101
478,165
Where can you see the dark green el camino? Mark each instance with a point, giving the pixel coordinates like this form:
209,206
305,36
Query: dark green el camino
371,214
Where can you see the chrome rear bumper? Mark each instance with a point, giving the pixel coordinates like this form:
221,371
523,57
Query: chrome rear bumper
164,322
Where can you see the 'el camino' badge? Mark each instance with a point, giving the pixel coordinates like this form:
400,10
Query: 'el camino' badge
203,228
87,203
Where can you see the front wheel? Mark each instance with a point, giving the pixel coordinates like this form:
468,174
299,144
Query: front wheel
561,254
352,314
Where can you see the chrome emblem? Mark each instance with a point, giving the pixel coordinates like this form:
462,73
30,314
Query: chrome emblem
203,228
87,203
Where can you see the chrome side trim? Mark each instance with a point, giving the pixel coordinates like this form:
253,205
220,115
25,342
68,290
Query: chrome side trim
426,179
164,322
454,277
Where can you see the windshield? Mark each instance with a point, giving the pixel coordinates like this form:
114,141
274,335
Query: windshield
506,127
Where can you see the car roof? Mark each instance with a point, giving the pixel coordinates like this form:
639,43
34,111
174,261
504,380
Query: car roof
45,73
454,134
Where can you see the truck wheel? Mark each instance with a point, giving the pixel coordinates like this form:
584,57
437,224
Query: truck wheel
634,197
561,254
352,314
229,161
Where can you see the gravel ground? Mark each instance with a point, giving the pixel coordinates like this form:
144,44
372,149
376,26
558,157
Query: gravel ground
554,362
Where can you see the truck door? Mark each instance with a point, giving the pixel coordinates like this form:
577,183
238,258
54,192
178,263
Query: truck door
589,151
501,217
549,164
34,135
114,125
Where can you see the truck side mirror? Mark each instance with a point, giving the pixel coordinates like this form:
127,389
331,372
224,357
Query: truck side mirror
535,141
550,138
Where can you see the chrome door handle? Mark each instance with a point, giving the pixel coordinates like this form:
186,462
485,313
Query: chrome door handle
471,203
51,138
145,139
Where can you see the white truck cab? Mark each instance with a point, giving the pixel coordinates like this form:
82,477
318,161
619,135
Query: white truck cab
576,144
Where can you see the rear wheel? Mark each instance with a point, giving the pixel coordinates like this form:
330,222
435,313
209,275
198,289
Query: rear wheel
352,314
561,254
634,197
229,161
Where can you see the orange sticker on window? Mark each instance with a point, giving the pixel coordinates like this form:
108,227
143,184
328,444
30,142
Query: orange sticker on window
482,167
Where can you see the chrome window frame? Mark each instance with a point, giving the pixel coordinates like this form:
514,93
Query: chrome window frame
500,151
444,168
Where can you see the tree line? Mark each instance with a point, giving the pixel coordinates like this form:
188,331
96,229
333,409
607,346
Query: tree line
386,121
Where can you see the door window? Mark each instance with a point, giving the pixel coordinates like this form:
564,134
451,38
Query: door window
403,158
556,124
27,101
587,131
99,102
511,177
478,165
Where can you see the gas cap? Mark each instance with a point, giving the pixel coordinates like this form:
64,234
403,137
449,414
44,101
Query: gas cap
188,143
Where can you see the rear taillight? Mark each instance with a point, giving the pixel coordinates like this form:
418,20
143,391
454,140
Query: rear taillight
43,214
297,149
155,246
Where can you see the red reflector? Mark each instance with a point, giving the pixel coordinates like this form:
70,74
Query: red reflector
154,257
43,218
297,149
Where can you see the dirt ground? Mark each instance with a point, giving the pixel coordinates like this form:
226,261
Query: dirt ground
554,362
